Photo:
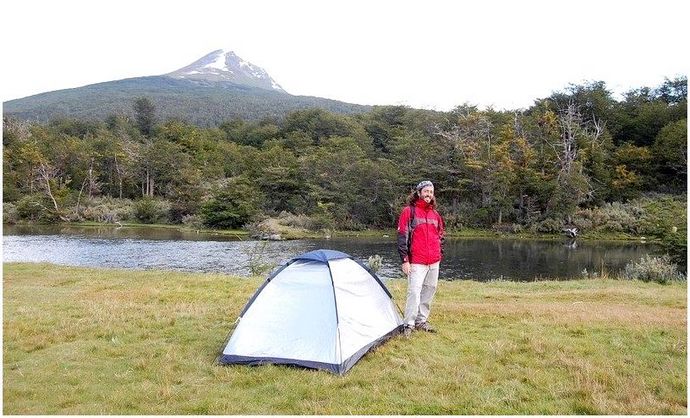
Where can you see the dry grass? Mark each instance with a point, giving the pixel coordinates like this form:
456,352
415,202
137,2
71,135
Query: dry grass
88,341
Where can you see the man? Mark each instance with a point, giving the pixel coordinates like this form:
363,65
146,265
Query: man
420,237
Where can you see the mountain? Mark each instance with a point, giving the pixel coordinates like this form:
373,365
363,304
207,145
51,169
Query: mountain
218,87
226,66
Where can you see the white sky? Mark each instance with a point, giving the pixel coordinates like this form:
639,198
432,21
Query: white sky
429,53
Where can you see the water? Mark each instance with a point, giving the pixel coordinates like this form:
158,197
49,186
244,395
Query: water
156,248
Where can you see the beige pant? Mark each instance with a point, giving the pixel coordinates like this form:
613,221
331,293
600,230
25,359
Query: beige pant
421,286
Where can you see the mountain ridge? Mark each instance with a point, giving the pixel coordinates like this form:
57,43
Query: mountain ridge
205,98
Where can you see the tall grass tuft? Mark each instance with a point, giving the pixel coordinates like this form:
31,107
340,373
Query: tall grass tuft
653,269
375,262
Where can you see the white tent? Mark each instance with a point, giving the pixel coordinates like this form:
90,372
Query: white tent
321,310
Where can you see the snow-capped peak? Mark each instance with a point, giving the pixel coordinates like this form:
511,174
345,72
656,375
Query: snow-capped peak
218,63
225,66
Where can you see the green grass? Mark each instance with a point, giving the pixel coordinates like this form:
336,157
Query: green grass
97,341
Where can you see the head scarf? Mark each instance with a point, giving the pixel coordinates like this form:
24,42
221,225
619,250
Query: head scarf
425,183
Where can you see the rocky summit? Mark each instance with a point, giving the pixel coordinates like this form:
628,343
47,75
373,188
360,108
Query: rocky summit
226,66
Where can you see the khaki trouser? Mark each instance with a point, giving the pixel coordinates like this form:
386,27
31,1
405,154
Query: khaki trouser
421,286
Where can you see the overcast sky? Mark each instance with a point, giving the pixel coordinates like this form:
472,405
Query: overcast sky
429,53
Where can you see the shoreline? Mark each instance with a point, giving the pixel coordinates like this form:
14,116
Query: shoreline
296,234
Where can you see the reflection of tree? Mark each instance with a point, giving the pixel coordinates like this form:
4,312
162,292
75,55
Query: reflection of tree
530,259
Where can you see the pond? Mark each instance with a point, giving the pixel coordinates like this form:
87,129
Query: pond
169,249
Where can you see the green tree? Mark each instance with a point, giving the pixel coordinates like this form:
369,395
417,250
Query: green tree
279,179
632,171
670,153
145,115
233,204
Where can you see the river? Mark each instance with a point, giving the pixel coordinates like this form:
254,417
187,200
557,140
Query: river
161,248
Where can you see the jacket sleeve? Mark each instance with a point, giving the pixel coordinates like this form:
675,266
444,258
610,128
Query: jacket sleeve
403,234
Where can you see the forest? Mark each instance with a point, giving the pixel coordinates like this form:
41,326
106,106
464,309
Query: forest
579,157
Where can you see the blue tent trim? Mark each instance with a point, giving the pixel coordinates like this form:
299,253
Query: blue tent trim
323,256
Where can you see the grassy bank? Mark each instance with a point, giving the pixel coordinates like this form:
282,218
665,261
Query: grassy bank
94,341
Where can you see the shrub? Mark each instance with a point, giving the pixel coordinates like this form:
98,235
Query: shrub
481,217
665,218
506,228
108,210
375,262
193,221
181,209
9,213
454,221
322,221
297,221
150,211
614,217
33,208
549,225
322,218
269,228
257,259
653,269
232,205
582,223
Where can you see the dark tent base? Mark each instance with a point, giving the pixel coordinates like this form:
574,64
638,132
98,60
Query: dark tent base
333,368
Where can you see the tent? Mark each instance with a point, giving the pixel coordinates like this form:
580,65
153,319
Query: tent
320,310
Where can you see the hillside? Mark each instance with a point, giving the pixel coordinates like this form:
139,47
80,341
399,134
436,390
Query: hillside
199,102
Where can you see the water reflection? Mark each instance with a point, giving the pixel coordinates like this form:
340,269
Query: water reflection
159,248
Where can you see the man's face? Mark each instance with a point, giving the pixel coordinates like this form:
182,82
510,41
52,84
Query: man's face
427,193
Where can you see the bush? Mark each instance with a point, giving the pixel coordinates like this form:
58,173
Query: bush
258,264
108,210
454,221
653,269
297,221
375,262
614,217
150,211
33,208
193,221
181,209
481,217
665,218
322,218
549,225
506,228
583,223
9,213
232,205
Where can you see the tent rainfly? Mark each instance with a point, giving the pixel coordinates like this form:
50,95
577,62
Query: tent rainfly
320,310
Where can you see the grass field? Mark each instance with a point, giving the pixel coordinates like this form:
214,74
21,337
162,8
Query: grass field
96,341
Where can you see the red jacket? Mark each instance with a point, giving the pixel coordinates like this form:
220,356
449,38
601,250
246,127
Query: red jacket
427,234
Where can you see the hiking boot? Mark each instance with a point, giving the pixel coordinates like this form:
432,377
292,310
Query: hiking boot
407,331
424,326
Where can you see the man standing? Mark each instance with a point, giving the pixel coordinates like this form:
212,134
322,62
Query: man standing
420,236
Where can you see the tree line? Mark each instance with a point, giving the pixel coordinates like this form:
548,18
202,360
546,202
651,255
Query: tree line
575,150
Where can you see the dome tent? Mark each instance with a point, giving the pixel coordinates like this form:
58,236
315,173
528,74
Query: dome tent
321,310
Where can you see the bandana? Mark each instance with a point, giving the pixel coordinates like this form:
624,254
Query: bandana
425,183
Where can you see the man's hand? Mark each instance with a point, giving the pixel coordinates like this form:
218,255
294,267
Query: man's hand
406,268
